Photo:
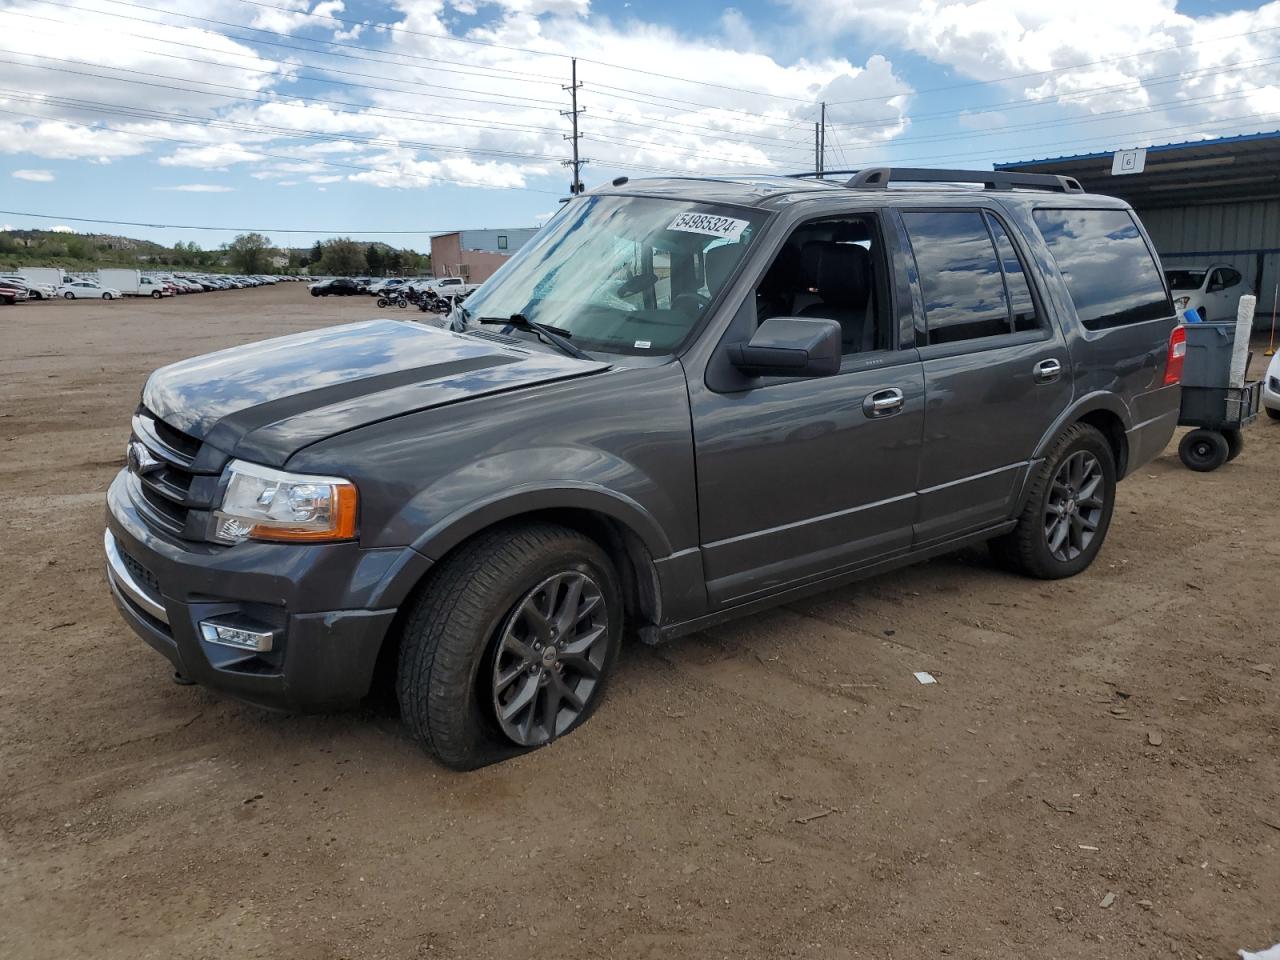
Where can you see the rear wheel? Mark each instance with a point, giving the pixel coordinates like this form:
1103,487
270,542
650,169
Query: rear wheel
1204,450
1272,412
510,644
1068,508
1235,443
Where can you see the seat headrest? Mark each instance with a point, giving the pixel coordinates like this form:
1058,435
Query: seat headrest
717,262
840,273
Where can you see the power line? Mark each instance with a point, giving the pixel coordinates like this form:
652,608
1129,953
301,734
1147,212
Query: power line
391,28
274,156
290,65
1077,66
515,76
188,226
1083,93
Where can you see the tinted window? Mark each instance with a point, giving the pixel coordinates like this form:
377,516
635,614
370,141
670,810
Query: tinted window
1231,277
1021,304
964,295
1105,263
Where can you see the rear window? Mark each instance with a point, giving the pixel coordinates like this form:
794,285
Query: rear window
1108,269
1185,279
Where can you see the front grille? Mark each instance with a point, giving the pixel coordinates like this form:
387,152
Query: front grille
172,478
140,573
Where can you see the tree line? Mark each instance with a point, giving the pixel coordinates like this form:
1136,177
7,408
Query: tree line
339,257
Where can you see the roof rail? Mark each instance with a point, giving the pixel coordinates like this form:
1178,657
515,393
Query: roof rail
881,177
877,178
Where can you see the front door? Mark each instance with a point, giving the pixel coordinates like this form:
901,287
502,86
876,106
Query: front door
996,371
803,479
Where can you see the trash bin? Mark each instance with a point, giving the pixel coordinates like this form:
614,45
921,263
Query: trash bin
1208,360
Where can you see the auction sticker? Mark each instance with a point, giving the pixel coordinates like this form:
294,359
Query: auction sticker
709,224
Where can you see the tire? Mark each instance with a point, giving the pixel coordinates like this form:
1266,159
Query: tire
1055,511
383,301
1235,443
402,303
156,295
68,295
1204,450
1272,412
460,636
107,296
315,293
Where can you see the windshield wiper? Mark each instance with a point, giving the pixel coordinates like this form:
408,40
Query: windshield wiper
555,336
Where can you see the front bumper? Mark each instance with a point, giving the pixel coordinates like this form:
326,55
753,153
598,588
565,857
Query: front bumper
1271,392
327,608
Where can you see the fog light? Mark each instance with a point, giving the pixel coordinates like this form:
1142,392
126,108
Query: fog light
230,635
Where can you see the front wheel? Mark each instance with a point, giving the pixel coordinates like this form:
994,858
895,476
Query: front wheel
68,295
510,644
1068,508
156,294
1272,412
107,296
1204,450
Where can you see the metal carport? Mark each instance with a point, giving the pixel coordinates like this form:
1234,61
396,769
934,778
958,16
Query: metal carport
1202,201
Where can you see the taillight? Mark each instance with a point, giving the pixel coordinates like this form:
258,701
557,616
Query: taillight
1177,353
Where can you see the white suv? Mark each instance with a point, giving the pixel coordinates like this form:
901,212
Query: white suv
1212,291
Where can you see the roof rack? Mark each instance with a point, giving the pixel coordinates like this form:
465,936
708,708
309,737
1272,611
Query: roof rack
879,178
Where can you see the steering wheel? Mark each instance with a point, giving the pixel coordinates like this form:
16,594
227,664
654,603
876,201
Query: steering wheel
699,301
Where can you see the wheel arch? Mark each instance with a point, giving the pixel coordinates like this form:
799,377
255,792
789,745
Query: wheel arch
1103,411
617,534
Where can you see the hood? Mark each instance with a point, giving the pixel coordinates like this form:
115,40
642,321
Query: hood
265,401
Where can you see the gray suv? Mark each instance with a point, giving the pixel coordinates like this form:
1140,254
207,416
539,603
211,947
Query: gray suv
684,401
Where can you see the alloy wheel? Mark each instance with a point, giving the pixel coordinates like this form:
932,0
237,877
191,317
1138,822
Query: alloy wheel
550,658
1075,505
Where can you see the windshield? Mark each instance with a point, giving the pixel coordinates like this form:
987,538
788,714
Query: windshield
1185,279
622,274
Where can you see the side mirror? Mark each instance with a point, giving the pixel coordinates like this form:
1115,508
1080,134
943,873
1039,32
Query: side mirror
790,347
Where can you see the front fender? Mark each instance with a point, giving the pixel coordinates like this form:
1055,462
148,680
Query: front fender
447,532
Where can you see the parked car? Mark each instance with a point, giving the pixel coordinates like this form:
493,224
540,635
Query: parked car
1214,291
682,402
337,287
87,290
35,291
446,286
1271,389
11,292
383,287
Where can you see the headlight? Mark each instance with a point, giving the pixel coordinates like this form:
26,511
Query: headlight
265,504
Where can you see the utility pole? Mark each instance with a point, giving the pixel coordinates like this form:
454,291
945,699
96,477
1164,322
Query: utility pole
822,142
575,187
817,149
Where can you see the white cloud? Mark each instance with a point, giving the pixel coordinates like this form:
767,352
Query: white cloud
34,176
7,227
199,188
1017,44
62,228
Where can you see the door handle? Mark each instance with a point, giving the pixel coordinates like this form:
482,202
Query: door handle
882,403
1047,371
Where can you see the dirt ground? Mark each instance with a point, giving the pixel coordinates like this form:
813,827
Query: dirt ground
1095,775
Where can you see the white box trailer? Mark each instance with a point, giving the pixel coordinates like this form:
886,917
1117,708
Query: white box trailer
53,276
131,283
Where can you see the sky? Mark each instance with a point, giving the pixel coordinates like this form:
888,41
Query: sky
394,121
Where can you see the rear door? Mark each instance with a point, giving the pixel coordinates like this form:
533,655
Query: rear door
995,368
